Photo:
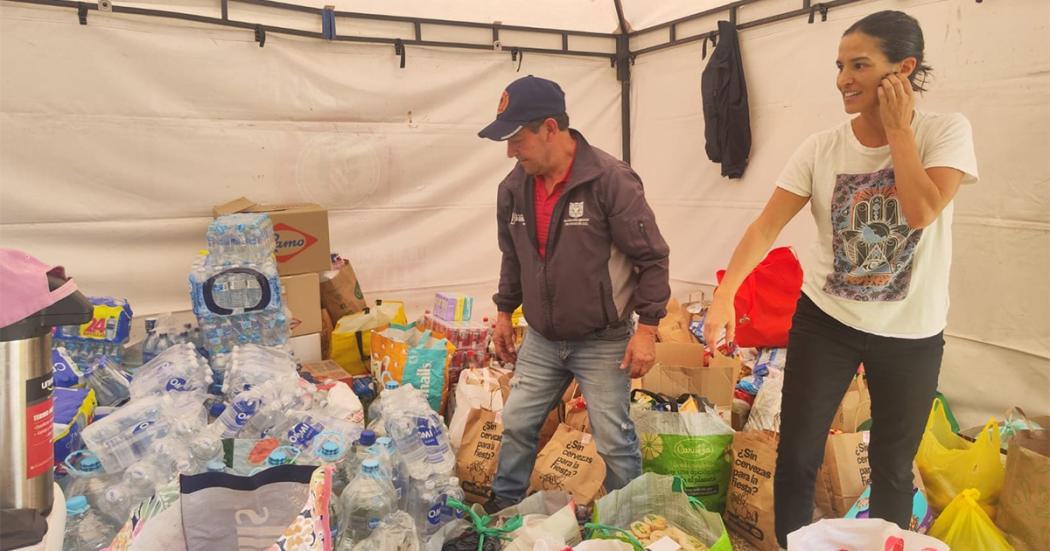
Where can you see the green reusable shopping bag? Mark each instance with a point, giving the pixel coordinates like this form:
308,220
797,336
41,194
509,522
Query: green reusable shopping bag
661,495
691,446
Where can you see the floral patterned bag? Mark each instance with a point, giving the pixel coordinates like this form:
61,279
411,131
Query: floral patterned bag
282,508
158,523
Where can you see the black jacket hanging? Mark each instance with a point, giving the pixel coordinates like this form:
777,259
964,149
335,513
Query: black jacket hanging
727,122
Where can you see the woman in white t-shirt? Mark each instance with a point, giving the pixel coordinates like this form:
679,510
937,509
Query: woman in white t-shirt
875,291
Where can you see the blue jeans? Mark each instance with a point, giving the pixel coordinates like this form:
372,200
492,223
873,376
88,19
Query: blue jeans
542,373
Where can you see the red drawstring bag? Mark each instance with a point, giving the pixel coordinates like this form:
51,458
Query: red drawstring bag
766,300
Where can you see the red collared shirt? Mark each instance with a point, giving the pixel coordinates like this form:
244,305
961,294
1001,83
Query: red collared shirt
544,207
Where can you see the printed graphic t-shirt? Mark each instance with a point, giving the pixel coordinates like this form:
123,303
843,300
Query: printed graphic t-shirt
868,269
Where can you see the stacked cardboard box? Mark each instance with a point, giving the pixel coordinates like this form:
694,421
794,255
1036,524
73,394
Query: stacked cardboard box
303,253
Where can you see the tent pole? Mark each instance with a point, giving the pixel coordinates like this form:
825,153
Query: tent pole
623,74
624,58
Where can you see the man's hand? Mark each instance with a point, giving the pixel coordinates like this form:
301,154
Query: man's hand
641,351
503,338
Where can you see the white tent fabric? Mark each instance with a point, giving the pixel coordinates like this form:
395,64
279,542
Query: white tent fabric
116,138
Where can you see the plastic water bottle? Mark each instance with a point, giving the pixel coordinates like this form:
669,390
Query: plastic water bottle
215,466
109,383
362,448
453,490
422,441
85,475
85,531
281,455
367,499
375,409
239,412
149,344
330,449
391,464
358,453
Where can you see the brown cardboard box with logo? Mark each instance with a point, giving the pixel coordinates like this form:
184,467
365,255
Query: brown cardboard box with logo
302,295
301,230
680,369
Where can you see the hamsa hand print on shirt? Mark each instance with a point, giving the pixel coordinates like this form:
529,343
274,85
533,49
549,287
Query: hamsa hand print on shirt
873,246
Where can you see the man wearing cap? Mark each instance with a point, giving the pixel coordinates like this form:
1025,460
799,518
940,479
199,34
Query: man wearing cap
581,253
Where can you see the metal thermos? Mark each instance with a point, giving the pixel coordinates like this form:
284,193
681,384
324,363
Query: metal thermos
26,420
26,409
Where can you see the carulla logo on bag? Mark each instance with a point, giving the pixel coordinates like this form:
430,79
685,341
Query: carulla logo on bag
692,449
290,241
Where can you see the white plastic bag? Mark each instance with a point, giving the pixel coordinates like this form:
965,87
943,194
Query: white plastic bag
603,545
343,404
765,412
477,388
860,535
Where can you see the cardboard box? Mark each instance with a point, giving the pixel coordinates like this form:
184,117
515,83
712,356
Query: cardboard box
328,370
301,231
307,348
674,327
680,369
302,295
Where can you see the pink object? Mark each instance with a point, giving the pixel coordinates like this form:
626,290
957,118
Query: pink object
23,286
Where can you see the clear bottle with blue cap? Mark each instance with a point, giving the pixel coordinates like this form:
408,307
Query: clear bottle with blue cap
85,530
85,476
331,449
279,456
390,461
366,501
215,466
375,409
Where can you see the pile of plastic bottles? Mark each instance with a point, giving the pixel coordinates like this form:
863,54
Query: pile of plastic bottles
160,337
101,338
178,417
235,288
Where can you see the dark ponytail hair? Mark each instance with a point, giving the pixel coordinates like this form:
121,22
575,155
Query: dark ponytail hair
899,36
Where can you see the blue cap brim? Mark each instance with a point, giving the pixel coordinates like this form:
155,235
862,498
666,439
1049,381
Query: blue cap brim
499,130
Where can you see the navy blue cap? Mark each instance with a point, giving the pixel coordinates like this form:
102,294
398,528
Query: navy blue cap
525,100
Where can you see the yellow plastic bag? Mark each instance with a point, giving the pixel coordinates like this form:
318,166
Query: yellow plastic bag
950,464
965,525
352,336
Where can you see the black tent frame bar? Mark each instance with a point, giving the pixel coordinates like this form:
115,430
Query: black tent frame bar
808,8
417,23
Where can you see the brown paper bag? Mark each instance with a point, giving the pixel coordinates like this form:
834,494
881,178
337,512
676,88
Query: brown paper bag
569,463
550,426
575,409
855,408
844,474
749,508
341,294
326,334
478,456
674,327
1024,505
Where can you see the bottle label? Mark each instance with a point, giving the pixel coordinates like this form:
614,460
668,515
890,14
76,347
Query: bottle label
139,427
302,433
434,514
177,384
427,432
244,410
373,523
